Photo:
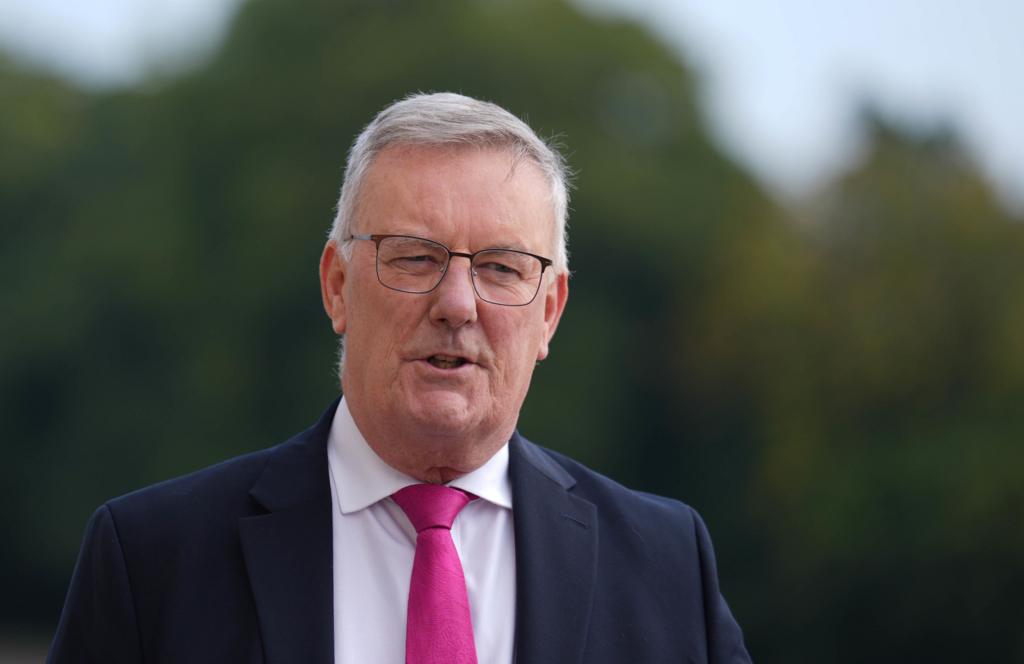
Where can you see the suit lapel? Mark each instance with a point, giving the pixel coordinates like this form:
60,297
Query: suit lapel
288,551
556,558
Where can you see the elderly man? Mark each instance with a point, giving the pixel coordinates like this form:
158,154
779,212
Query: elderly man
413,522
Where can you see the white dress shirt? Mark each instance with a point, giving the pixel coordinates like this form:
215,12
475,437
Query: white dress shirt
374,543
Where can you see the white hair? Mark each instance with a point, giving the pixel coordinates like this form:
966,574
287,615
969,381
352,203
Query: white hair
449,119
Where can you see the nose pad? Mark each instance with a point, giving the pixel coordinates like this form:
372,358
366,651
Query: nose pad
443,269
446,268
454,300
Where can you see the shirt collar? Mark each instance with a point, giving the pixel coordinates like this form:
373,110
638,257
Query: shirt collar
362,478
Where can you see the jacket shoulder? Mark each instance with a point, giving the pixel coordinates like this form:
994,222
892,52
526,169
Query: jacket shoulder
656,566
226,489
215,487
595,485
206,501
645,513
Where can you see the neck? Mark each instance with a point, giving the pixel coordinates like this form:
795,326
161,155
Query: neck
434,457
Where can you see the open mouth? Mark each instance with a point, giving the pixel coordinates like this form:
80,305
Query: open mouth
446,361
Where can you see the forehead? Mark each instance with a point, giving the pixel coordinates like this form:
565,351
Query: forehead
457,194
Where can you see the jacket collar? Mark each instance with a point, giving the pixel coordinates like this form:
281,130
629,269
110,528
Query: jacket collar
288,553
556,557
288,550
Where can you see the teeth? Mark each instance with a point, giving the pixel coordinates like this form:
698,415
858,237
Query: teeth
446,362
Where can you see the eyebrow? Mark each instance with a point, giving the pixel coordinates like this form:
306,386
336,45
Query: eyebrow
510,247
503,245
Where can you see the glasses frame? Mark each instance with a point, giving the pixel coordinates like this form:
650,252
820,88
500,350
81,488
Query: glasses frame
376,238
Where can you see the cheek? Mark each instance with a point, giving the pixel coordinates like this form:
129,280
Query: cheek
380,322
521,342
370,341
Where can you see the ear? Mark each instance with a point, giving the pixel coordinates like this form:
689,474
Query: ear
333,269
555,296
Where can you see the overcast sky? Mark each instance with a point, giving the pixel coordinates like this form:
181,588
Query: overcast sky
783,78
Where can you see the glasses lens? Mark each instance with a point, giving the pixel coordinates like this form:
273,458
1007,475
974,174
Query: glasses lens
410,264
507,277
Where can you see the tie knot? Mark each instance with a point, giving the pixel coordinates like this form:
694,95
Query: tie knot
431,505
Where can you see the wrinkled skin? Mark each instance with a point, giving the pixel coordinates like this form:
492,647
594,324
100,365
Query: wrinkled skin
433,422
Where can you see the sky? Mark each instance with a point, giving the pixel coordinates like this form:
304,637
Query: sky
783,80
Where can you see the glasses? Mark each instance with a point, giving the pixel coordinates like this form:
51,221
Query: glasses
417,265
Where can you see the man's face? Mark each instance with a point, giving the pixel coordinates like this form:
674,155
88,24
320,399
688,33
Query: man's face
467,199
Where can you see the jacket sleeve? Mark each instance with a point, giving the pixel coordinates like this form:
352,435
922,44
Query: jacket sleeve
724,636
98,624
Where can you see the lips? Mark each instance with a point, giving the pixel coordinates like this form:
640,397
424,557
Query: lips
447,361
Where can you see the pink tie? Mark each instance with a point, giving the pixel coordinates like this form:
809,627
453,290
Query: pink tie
439,629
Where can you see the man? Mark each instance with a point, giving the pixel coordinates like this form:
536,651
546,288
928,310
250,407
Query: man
446,274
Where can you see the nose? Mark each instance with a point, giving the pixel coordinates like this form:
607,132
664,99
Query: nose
455,301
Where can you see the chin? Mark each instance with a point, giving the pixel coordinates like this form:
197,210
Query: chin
445,412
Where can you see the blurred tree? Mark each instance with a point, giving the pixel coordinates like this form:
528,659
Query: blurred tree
833,389
875,347
164,307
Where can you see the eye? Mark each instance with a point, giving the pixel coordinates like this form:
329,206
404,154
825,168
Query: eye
499,268
418,259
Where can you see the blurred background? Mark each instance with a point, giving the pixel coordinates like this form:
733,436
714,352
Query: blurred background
797,239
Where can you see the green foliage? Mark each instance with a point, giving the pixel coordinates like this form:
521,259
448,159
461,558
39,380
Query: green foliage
834,388
872,345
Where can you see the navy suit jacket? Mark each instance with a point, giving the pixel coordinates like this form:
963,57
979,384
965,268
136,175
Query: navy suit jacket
232,564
